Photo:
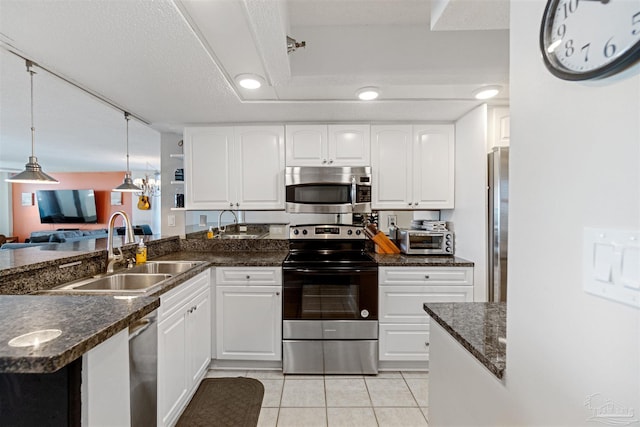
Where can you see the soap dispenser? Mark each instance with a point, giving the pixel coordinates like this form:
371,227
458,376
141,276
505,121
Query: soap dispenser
210,233
141,253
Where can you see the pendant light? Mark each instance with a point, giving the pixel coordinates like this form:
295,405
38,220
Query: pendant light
127,185
33,172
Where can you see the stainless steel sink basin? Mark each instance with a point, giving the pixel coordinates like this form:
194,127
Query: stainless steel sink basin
164,267
242,236
120,282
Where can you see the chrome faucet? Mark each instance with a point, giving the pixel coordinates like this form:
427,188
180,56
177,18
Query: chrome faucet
222,229
113,258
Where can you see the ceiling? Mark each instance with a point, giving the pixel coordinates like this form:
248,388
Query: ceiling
173,63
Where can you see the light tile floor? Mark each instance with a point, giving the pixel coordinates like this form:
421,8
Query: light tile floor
388,399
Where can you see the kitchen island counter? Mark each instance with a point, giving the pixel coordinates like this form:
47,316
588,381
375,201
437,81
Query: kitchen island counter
84,322
480,327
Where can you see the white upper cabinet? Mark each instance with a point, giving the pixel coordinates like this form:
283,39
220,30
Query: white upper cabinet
328,145
499,128
413,166
234,167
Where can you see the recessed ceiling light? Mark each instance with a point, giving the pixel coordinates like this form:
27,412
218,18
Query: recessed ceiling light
368,93
487,92
249,81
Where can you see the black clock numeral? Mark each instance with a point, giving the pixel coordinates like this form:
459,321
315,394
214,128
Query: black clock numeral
561,31
569,49
609,49
635,22
569,7
585,50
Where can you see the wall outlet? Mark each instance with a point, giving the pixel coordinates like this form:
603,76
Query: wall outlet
392,220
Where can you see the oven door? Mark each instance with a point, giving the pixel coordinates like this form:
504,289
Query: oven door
330,293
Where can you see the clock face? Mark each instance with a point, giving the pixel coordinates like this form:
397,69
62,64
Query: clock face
586,39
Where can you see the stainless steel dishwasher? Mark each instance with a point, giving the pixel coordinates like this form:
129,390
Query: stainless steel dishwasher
143,370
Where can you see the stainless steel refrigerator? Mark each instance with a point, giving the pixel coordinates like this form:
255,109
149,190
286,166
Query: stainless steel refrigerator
498,185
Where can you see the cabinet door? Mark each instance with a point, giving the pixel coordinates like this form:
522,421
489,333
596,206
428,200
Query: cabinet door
306,145
433,167
349,145
499,127
405,304
391,166
199,336
248,322
404,342
208,166
259,154
173,383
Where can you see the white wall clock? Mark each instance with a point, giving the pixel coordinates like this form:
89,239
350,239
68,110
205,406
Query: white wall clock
590,39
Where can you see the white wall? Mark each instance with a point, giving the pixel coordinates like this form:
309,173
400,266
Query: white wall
574,163
470,215
6,216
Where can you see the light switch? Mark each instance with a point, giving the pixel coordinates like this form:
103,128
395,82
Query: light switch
611,264
171,220
602,261
630,269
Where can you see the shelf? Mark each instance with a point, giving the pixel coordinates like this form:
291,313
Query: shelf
177,156
178,209
177,182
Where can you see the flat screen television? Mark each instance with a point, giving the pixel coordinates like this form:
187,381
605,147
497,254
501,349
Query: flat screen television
67,206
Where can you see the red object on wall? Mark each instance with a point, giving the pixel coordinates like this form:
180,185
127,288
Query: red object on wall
26,218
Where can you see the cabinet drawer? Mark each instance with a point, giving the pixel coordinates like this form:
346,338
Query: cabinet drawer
426,276
405,304
267,276
404,342
178,296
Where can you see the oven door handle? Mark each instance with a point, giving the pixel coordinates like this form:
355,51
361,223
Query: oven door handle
330,269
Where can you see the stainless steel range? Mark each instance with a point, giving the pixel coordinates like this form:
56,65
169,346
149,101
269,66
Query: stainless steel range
330,302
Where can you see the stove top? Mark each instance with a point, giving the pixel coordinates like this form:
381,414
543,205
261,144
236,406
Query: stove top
327,246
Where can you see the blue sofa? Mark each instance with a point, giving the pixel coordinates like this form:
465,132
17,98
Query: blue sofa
38,238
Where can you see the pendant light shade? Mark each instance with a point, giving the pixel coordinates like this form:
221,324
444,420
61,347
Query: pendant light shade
127,185
33,171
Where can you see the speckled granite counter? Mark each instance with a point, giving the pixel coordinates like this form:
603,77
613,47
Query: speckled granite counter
85,322
401,260
230,259
480,327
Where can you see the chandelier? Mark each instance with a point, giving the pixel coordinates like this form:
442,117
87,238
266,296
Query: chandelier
150,186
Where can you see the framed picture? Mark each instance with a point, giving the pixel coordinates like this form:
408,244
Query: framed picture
27,199
116,198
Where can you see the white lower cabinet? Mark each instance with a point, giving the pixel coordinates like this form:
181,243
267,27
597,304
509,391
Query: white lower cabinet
404,325
184,346
248,315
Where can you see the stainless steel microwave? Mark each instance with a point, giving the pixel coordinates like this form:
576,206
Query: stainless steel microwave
421,242
330,189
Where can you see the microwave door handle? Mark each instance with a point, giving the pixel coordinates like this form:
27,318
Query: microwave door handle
353,191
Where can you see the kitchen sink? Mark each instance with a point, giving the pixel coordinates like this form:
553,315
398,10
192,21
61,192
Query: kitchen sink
120,282
164,267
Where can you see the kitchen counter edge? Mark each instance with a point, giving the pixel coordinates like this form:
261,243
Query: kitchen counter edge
480,327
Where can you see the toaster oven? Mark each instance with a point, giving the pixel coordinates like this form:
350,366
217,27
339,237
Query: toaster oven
421,242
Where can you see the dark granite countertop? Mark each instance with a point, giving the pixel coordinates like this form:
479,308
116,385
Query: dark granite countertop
481,328
230,259
85,322
401,260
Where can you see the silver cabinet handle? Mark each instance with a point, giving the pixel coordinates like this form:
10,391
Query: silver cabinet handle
277,293
416,204
330,161
426,344
248,277
426,276
410,204
231,204
237,204
324,161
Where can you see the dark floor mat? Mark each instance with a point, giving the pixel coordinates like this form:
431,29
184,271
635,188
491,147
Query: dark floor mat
224,402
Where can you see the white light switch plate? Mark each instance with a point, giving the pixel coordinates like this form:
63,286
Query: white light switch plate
611,264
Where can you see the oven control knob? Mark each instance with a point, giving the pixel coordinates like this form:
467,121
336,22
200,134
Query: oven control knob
304,231
349,232
364,313
448,249
358,232
296,232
